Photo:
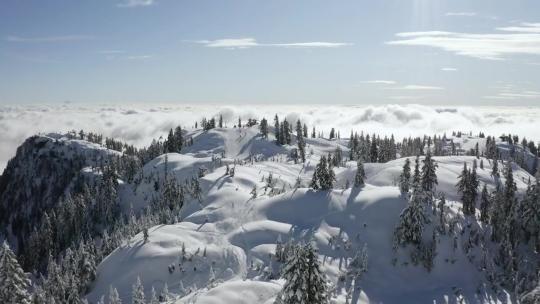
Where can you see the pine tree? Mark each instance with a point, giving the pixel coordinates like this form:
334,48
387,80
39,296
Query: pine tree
530,213
13,281
254,192
495,169
164,296
373,152
137,294
429,176
305,281
300,140
405,177
171,142
360,174
264,128
323,176
153,297
484,205
277,129
464,186
114,298
411,221
178,139
359,264
442,218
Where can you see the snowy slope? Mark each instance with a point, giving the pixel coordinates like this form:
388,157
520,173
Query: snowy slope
239,233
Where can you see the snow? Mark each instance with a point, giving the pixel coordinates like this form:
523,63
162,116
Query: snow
239,232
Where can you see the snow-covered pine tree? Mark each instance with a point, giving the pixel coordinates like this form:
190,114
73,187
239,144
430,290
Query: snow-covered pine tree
305,281
463,186
254,191
360,174
442,217
358,265
153,297
300,141
114,298
323,176
429,177
485,205
137,293
164,296
171,143
264,128
277,129
405,177
13,281
412,218
495,169
530,213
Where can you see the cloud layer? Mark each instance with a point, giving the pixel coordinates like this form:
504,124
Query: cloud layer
138,125
523,39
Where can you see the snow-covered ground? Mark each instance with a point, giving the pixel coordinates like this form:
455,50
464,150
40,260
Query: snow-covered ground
229,237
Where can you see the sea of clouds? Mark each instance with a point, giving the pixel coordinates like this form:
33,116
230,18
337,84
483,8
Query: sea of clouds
139,124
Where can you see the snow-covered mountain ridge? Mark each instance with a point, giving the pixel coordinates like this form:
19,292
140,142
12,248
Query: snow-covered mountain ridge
222,246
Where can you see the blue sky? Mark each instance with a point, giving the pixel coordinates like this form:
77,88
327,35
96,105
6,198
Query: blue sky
259,52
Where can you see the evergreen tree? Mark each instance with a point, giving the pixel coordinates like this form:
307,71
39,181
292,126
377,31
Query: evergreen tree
323,176
277,129
305,281
114,298
429,176
411,221
300,140
171,143
484,205
465,187
360,174
495,169
13,281
164,296
530,217
264,128
137,294
178,139
405,177
373,152
359,264
509,184
153,297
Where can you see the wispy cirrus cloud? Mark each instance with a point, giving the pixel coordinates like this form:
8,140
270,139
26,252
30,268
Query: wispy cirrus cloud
244,43
523,39
64,38
139,57
393,85
512,92
461,14
136,3
388,82
417,87
448,69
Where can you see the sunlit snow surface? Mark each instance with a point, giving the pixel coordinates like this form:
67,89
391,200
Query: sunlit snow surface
238,233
